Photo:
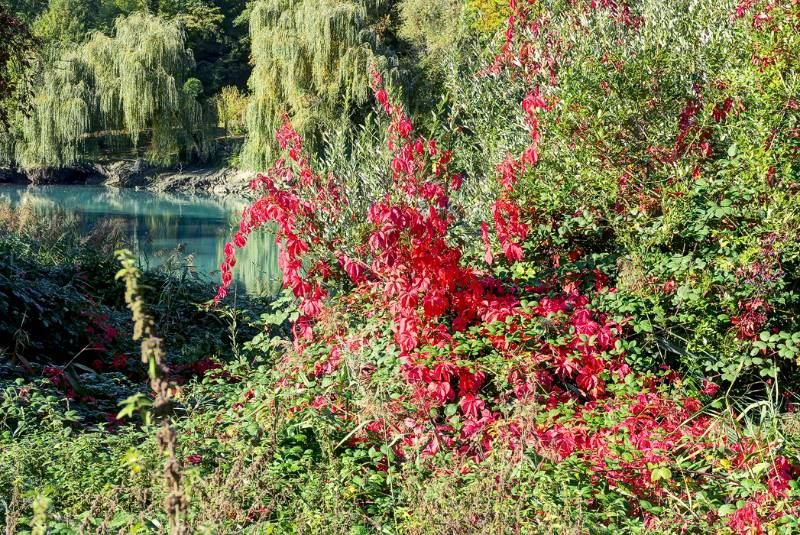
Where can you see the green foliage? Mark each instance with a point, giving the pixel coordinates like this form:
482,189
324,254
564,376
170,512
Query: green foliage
219,44
131,84
689,233
311,60
71,21
488,16
193,88
16,42
434,28
24,10
218,38
231,104
198,17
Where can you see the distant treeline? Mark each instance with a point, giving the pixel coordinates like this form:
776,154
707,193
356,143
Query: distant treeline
164,79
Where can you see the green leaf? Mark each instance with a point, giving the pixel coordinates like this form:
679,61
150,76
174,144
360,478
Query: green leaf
660,473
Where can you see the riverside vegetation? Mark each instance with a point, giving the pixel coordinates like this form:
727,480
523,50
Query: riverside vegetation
544,280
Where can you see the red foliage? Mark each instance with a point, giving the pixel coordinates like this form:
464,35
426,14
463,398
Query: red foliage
750,319
409,270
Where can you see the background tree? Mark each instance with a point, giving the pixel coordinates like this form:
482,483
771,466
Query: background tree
433,28
71,21
133,86
215,34
15,40
231,104
25,11
312,60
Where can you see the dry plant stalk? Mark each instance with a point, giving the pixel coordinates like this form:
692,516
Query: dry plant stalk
176,502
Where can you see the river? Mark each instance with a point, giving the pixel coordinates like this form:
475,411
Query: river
158,224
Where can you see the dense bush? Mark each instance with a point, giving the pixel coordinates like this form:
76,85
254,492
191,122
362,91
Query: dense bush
63,320
671,165
644,196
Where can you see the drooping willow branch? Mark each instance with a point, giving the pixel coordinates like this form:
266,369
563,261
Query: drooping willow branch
133,81
311,59
154,357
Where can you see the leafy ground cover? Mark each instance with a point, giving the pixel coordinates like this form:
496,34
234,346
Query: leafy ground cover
567,303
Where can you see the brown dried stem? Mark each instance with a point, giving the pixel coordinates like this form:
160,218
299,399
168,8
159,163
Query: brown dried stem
153,356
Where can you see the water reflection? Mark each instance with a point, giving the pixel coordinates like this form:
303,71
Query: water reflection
157,223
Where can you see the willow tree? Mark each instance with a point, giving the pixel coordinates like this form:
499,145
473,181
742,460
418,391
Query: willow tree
312,60
132,85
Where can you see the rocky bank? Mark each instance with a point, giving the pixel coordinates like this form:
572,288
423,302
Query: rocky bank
219,181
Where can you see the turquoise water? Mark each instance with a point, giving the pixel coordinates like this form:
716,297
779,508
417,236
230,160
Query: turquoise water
158,224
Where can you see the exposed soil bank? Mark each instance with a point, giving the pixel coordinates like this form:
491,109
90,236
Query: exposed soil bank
139,174
10,176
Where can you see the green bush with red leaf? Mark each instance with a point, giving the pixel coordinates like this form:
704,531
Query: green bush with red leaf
627,172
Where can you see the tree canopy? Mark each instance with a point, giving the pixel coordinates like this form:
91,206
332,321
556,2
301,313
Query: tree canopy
312,60
104,85
15,40
133,85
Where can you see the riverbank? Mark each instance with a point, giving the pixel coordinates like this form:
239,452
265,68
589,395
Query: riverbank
210,180
155,224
